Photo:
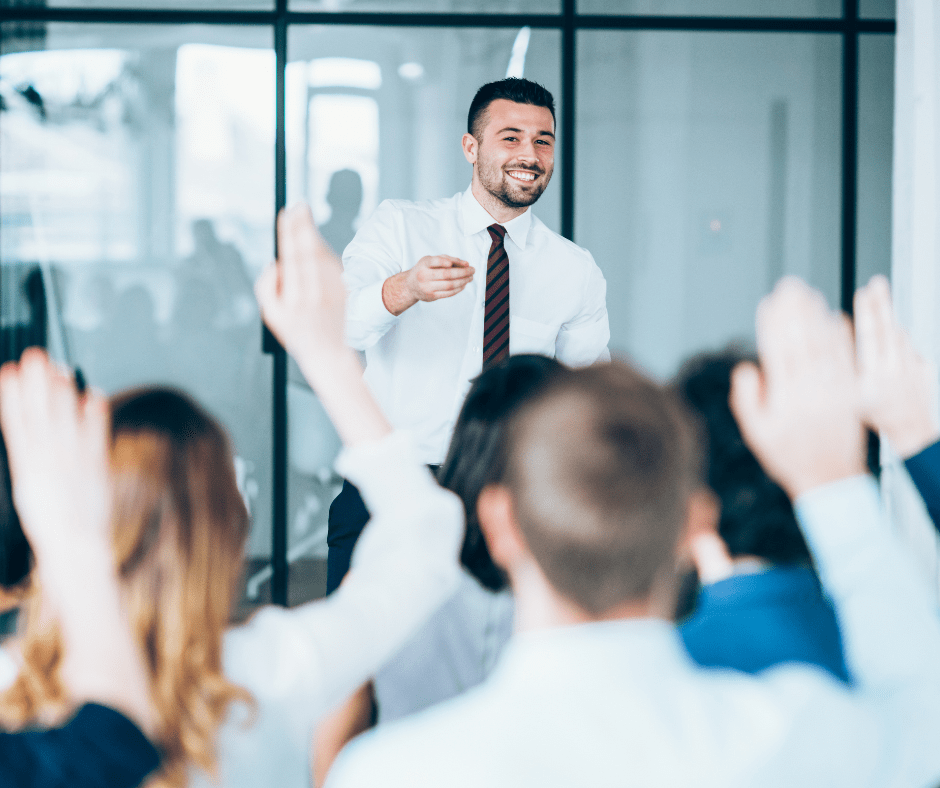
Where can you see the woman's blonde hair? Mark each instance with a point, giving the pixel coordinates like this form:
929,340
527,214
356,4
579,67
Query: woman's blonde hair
179,531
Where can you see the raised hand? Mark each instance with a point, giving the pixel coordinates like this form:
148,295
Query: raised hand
302,297
897,386
303,301
798,412
58,445
431,278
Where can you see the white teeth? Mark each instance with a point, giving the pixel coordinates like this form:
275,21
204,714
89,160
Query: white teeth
522,176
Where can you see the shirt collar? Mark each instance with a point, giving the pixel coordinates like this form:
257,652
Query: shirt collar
474,219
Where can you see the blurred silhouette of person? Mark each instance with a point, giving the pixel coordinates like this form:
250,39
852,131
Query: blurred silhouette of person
127,343
345,200
221,264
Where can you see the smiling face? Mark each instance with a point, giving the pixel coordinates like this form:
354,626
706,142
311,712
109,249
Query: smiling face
514,159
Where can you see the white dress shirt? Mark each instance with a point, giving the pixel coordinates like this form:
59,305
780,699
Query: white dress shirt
621,704
298,664
453,652
420,363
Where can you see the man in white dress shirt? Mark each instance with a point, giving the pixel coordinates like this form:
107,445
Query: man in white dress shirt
416,274
595,687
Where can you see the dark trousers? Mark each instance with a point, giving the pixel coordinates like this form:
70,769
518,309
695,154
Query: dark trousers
348,516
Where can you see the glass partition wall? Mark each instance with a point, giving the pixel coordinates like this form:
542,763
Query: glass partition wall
704,150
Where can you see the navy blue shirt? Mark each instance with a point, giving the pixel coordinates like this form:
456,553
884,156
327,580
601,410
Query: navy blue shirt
97,748
924,469
755,621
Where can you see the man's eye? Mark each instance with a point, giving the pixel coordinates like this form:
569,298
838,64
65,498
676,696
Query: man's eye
543,142
509,139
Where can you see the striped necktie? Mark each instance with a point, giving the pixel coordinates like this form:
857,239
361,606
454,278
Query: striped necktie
496,305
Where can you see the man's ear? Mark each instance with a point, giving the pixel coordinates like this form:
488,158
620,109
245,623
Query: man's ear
470,146
499,526
701,543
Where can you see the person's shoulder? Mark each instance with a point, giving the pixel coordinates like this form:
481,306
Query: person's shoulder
559,245
431,747
415,207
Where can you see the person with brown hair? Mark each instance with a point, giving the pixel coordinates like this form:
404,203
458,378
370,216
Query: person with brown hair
603,486
240,706
56,486
180,528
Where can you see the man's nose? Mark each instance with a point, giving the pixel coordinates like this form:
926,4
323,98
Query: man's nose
527,152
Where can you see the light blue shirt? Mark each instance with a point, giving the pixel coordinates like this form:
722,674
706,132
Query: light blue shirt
621,704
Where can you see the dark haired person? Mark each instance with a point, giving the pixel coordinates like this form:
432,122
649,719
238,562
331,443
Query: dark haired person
429,285
459,645
57,446
760,603
603,483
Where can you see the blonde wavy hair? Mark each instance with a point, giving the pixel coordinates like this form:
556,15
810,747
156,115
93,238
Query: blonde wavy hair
179,532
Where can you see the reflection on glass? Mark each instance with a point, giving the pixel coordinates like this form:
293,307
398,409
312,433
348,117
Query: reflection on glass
137,174
877,9
711,170
875,138
373,114
750,8
184,5
439,6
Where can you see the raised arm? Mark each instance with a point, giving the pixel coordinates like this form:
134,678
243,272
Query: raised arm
405,564
58,445
898,390
799,414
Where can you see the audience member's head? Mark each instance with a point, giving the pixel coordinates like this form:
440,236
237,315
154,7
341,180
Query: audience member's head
757,518
515,89
179,530
477,455
601,466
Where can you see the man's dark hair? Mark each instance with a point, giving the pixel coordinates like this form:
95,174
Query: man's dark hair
517,89
476,456
600,467
756,515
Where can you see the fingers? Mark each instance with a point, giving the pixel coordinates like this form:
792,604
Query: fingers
445,261
747,395
877,333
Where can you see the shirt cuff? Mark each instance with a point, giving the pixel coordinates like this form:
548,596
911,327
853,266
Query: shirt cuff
840,513
369,308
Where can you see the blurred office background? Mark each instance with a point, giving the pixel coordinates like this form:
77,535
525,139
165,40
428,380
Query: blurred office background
706,148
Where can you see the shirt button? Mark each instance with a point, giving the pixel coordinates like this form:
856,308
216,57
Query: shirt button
476,348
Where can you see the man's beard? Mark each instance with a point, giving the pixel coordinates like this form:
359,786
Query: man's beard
495,180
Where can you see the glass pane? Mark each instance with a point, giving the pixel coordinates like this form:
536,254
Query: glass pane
875,137
877,9
751,8
432,6
709,171
185,5
138,176
376,113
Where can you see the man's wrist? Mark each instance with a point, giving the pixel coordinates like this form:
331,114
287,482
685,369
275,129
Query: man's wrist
397,295
910,439
803,483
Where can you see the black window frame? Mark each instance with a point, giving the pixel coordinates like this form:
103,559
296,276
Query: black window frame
849,26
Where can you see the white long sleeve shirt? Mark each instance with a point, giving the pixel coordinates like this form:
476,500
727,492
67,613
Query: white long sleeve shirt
420,363
298,664
620,703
